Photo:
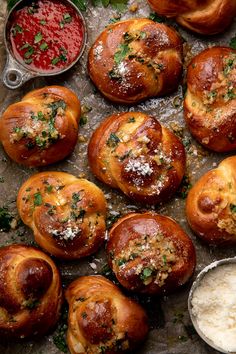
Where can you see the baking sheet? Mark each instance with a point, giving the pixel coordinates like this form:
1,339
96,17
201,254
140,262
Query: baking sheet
171,331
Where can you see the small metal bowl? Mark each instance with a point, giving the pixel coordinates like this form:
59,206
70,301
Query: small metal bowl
15,73
194,287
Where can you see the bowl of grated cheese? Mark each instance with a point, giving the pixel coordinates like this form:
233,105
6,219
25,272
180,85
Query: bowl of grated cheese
212,305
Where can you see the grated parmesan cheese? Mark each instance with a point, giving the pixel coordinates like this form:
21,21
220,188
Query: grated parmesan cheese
214,306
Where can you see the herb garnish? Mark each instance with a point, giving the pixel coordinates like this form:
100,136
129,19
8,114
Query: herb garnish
232,43
233,208
66,19
43,46
146,273
38,200
123,50
38,37
17,29
113,140
5,219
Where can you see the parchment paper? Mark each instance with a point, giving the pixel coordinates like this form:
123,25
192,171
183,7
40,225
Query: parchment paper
171,331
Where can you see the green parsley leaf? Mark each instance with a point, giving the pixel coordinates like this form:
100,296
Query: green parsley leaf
28,61
5,219
25,46
43,22
55,60
156,18
83,120
146,273
43,46
113,140
233,208
123,50
29,52
38,200
232,43
17,29
38,37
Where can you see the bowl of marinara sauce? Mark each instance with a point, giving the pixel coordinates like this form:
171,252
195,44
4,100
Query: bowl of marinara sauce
42,38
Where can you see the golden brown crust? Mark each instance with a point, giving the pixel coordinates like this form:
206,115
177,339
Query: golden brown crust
136,59
66,214
202,16
210,101
133,152
101,319
211,204
30,292
42,128
150,253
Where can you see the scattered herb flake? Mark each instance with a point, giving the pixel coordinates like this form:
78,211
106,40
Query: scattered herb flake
233,208
113,140
38,37
5,219
232,43
38,200
156,18
55,60
123,50
43,46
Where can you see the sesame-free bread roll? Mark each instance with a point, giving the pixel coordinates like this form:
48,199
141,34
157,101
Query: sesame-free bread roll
66,214
30,292
211,204
135,59
135,153
202,16
42,128
150,253
210,101
102,319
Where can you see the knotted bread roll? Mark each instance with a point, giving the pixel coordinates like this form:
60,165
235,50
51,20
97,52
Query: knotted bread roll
133,152
202,16
211,204
66,214
135,59
150,253
42,128
101,319
210,101
30,292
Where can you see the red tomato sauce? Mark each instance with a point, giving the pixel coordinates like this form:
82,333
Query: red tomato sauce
47,36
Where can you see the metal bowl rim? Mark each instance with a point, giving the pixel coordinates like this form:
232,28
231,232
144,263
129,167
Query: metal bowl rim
194,286
38,72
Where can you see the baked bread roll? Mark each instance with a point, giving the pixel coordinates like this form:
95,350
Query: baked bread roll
202,16
101,319
211,204
66,214
210,101
135,59
150,253
30,292
133,152
42,128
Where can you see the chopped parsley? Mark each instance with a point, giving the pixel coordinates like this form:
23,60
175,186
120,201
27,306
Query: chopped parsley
232,43
38,200
43,46
131,120
31,304
122,52
84,315
17,29
38,37
156,18
233,208
66,19
83,120
146,273
113,140
5,219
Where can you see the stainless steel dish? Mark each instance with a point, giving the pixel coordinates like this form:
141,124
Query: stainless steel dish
15,73
195,285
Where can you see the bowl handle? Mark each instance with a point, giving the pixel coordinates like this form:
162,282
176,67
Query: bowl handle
15,75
